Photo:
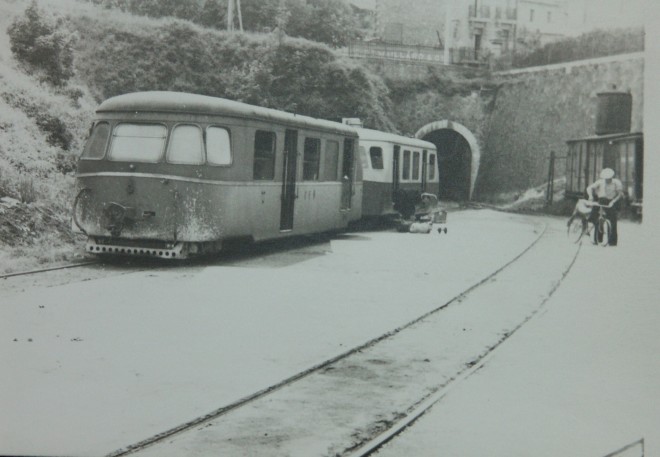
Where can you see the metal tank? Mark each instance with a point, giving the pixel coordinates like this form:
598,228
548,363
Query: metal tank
613,113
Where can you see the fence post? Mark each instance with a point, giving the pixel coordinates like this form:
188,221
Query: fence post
551,180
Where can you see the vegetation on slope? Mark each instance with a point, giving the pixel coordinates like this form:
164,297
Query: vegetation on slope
296,75
327,21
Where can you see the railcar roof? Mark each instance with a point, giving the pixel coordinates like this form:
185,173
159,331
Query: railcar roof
377,135
180,102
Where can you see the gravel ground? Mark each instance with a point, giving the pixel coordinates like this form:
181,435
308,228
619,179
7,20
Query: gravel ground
582,378
105,361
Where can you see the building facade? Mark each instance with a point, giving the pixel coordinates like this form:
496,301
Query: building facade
469,31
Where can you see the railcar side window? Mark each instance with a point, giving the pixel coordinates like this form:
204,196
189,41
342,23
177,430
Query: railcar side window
186,145
311,159
376,155
405,173
264,156
331,160
431,166
218,146
97,141
138,142
415,173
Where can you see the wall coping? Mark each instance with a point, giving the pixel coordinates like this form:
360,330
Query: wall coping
573,64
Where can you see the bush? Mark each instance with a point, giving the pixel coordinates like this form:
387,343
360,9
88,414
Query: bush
295,75
43,43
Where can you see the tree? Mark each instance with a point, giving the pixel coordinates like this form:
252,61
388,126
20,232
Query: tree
213,15
43,43
327,21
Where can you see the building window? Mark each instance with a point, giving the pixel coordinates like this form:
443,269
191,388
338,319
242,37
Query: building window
186,145
263,168
549,16
376,155
138,142
531,15
97,141
311,159
331,160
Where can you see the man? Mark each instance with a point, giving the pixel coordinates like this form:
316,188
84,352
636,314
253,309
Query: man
609,191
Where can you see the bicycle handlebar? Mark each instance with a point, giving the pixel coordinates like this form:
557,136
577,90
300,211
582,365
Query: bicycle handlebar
596,204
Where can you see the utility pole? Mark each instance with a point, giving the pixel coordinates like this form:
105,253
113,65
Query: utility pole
234,5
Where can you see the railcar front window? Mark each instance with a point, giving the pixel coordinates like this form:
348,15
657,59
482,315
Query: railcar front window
264,156
376,155
97,141
138,142
186,145
331,160
406,165
218,146
311,159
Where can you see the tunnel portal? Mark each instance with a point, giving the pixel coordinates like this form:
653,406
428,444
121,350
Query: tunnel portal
458,158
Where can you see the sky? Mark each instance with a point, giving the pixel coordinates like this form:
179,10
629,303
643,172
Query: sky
584,15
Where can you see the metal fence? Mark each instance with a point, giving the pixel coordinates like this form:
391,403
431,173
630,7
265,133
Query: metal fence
416,53
394,51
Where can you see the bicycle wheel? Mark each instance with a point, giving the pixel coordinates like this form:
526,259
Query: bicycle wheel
604,231
575,230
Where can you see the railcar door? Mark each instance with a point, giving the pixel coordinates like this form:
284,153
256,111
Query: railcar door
424,170
395,171
347,174
289,179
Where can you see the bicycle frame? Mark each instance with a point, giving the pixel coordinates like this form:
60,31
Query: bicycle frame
588,226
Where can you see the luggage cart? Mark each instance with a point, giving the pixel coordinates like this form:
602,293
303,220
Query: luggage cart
428,216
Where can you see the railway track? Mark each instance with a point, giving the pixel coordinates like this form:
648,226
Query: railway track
45,270
366,441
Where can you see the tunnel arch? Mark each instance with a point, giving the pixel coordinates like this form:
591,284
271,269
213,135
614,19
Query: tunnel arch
462,133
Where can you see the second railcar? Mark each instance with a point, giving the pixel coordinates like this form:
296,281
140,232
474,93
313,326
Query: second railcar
171,174
396,171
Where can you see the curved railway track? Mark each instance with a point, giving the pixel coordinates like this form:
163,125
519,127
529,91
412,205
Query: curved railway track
365,446
44,270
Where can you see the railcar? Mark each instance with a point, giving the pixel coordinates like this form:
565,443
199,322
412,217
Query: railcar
172,175
396,170
622,152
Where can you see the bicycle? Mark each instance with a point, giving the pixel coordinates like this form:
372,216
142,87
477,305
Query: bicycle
580,224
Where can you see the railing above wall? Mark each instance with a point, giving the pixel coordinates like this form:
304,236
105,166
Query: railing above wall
394,51
414,53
